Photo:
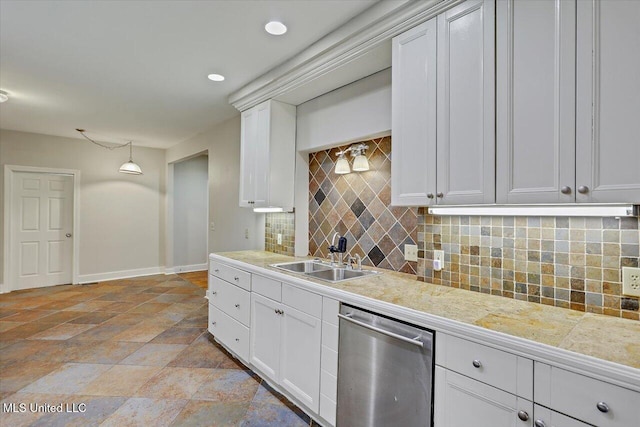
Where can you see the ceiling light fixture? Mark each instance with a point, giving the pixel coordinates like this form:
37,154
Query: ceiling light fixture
275,28
4,96
129,167
216,77
360,162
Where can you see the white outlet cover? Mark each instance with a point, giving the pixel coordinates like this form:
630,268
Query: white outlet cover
411,252
631,281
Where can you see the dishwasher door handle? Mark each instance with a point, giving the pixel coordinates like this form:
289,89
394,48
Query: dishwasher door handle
382,331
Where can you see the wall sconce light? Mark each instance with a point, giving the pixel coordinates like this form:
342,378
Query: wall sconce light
360,162
4,96
129,167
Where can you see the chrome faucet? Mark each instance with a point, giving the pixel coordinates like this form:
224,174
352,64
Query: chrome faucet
340,249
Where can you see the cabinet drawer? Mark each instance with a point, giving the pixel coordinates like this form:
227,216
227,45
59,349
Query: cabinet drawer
495,367
230,274
230,333
578,396
234,301
546,417
267,287
300,299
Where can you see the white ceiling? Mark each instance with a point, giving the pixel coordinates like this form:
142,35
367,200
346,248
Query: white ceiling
136,70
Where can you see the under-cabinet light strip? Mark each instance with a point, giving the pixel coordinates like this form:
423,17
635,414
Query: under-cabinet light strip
607,210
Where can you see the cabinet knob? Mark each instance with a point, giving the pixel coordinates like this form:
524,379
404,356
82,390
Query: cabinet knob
237,305
237,339
236,278
476,363
217,270
583,189
214,292
213,323
602,407
430,195
565,190
539,423
523,415
440,195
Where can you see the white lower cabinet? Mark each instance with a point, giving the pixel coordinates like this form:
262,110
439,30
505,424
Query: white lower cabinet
286,341
229,332
461,401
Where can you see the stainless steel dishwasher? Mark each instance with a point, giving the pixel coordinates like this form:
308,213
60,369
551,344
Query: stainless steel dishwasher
385,371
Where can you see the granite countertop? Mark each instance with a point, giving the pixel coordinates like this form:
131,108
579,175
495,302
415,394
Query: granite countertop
604,337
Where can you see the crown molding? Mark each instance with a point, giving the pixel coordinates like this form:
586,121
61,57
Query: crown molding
356,38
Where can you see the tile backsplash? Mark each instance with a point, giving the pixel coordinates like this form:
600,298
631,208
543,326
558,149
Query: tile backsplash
567,262
283,224
358,206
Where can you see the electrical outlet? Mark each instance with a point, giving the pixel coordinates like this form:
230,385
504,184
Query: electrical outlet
438,260
631,281
279,238
411,252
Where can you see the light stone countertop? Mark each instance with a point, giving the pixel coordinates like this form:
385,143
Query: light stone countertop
603,337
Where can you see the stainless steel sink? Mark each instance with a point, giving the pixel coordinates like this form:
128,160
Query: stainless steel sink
319,270
340,274
303,266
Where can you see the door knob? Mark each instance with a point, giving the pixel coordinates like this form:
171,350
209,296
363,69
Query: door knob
565,190
68,234
583,189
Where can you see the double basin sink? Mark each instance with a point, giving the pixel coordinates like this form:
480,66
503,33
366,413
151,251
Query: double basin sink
323,271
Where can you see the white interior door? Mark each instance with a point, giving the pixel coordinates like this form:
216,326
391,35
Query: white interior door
41,230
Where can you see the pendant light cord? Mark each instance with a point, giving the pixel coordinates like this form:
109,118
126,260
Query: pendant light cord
108,147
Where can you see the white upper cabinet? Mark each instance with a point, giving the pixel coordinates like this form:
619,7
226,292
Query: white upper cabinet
413,172
568,101
267,155
535,101
608,101
466,104
443,109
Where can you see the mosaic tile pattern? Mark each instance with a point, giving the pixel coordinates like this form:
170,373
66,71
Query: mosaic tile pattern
150,361
358,206
566,262
279,223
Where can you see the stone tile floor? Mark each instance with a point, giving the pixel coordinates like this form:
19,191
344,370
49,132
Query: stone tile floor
131,352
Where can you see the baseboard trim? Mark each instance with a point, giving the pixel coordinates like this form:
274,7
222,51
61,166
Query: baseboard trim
186,268
2,291
115,275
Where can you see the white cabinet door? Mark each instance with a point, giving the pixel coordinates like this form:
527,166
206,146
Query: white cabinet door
536,101
261,150
462,401
300,356
466,104
413,169
608,101
265,335
248,136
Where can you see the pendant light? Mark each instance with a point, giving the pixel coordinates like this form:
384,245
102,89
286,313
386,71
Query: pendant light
130,167
360,162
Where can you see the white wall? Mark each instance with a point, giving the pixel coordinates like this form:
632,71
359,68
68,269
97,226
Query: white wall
222,144
121,216
190,213
360,110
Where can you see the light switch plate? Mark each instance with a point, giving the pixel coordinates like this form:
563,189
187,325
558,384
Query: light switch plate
279,238
631,281
438,260
411,252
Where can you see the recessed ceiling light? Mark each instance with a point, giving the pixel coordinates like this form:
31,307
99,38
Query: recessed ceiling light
4,96
276,28
216,77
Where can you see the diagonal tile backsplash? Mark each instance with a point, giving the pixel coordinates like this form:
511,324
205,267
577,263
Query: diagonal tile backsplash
358,206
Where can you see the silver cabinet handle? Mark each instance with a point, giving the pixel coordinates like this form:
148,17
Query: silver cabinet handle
476,363
237,305
214,292
382,331
602,407
440,195
213,323
523,415
539,423
236,278
217,270
583,189
430,195
565,190
68,234
237,339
